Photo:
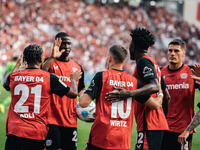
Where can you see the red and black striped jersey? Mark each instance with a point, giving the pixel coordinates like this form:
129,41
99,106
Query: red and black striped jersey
113,121
181,88
147,118
30,98
62,112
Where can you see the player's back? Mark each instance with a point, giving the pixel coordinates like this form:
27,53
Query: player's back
30,93
154,119
113,121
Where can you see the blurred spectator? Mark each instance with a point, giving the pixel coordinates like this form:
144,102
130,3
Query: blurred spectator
93,27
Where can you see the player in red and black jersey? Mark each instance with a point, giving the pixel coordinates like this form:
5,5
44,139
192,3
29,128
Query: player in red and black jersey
31,89
113,121
62,116
181,88
151,123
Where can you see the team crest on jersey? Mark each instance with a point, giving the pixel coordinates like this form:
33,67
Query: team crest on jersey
183,75
55,67
74,69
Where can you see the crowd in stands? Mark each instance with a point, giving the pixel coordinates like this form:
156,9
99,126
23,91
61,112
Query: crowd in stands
93,28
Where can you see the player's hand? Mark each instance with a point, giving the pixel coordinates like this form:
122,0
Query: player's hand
91,119
182,138
56,53
2,108
117,95
76,75
196,70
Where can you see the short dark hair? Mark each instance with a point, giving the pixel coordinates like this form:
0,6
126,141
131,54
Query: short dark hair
32,54
178,42
61,34
142,38
119,53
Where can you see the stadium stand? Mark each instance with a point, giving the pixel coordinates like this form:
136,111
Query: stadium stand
94,28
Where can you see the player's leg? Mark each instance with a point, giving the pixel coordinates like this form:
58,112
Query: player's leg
170,141
13,143
154,139
30,144
68,138
141,143
52,141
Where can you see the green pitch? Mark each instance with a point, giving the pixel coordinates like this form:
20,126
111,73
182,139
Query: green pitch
84,128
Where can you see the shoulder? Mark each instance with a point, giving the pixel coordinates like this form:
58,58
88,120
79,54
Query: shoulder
144,60
164,68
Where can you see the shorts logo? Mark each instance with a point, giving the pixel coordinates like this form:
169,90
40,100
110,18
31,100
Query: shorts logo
183,75
48,142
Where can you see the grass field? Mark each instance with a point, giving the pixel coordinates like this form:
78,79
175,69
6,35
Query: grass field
84,128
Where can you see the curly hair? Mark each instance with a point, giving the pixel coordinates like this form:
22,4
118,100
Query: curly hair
142,38
32,54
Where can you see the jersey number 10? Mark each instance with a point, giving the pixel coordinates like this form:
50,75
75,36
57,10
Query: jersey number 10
118,107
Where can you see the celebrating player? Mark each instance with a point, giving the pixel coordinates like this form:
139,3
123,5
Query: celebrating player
62,116
181,88
113,121
150,123
31,89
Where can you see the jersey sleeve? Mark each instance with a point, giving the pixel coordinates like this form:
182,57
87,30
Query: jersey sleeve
81,84
57,86
141,99
163,84
95,86
145,69
7,84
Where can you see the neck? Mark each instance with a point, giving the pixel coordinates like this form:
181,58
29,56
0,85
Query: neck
137,57
175,66
34,66
116,66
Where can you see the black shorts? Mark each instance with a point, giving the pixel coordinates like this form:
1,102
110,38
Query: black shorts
17,143
92,147
61,137
149,140
170,141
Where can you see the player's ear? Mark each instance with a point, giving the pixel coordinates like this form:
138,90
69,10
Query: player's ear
184,52
110,58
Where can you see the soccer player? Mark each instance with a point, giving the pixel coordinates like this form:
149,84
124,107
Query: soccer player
31,88
181,88
113,121
150,123
62,115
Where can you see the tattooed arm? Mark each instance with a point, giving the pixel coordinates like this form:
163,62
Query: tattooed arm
195,122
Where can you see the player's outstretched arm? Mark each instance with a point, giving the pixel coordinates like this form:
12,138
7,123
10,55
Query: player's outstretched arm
56,53
18,64
195,122
74,77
